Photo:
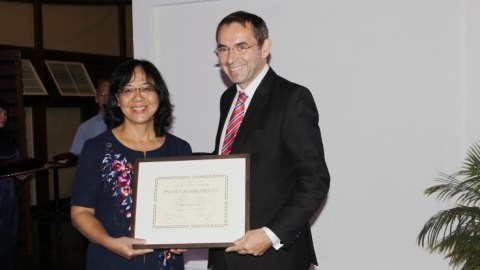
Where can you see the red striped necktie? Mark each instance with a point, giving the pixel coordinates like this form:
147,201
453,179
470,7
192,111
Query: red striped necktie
234,123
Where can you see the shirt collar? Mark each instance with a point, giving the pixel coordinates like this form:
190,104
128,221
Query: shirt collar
252,87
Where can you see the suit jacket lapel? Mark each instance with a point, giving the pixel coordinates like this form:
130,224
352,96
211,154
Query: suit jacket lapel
254,110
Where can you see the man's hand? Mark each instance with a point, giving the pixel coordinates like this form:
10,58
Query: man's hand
178,251
254,242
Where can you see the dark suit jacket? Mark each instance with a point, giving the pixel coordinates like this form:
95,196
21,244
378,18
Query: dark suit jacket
289,176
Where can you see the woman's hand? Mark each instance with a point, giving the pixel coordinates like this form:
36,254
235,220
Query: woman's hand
85,221
123,246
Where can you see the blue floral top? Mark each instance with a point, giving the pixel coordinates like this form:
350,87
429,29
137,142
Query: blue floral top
104,181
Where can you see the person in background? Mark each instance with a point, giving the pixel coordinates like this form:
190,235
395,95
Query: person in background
276,122
8,196
138,114
95,125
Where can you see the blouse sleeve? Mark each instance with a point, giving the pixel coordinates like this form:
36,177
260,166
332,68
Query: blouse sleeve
186,149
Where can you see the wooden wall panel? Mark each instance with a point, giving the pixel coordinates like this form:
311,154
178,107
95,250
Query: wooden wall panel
80,28
16,24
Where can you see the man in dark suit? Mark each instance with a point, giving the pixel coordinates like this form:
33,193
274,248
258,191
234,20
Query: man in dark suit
279,129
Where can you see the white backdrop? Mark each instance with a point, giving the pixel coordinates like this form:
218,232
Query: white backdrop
396,84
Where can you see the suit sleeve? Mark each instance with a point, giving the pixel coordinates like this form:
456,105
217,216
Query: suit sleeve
303,143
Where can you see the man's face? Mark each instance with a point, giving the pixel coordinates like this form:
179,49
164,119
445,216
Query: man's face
102,95
241,68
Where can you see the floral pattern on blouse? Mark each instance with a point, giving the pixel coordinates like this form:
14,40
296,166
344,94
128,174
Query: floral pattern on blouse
117,175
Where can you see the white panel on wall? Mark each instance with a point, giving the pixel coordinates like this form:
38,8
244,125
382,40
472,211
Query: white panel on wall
392,81
71,78
32,85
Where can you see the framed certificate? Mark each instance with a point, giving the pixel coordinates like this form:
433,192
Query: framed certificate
191,202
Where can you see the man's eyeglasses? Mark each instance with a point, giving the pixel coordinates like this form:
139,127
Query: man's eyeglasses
237,49
130,90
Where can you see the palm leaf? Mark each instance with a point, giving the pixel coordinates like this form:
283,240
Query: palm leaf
455,232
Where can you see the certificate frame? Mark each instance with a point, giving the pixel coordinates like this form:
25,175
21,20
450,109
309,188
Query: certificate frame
191,201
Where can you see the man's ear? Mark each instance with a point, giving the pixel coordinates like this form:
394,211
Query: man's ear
267,45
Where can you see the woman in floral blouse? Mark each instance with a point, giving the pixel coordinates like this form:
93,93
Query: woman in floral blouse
138,114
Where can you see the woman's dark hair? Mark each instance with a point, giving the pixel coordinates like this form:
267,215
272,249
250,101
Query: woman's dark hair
259,27
121,76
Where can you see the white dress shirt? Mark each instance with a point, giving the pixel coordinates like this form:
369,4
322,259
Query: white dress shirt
250,91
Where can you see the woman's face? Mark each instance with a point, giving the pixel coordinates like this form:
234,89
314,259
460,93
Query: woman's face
3,117
138,100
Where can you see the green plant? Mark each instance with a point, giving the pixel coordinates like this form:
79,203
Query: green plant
455,232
